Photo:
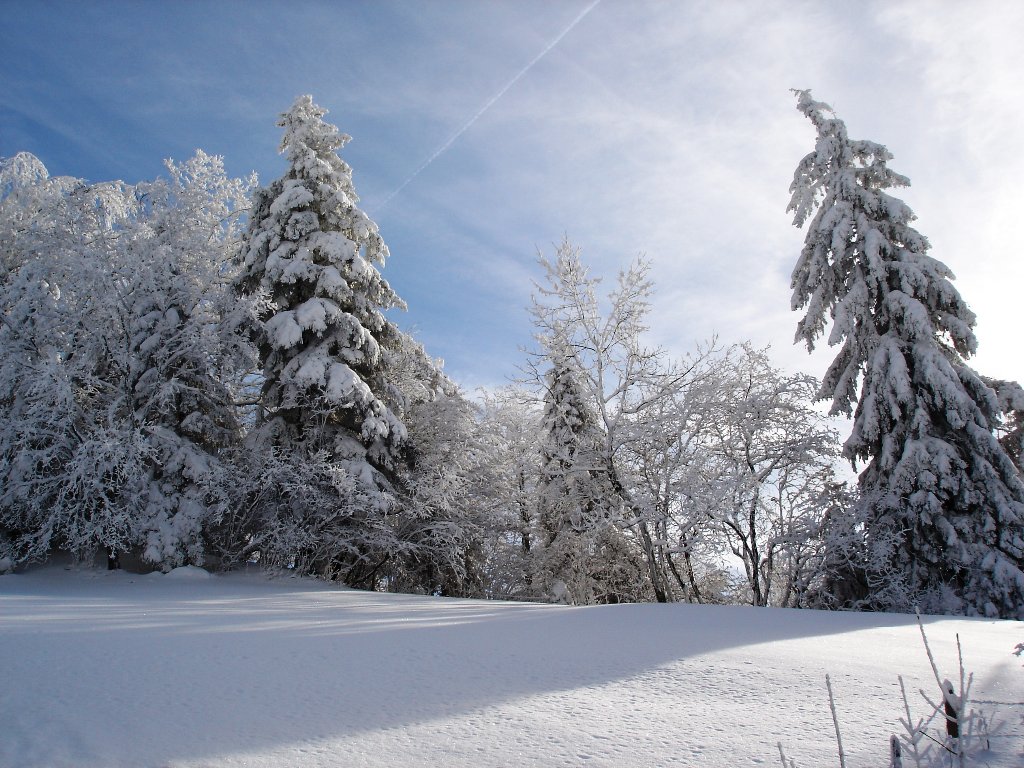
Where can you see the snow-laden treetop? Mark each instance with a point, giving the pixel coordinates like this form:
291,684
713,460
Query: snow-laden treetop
861,256
310,144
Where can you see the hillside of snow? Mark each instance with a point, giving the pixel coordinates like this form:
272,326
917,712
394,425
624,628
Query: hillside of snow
114,669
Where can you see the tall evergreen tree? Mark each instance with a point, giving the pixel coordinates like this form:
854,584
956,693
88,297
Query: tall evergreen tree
313,252
945,516
324,343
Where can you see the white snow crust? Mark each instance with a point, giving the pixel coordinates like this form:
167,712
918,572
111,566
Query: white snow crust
189,572
112,669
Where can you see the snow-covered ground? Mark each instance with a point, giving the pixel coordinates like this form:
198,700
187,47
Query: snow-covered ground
114,669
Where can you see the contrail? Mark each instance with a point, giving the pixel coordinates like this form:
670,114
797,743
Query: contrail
490,103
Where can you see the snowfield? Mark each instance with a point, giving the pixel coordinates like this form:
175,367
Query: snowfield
115,669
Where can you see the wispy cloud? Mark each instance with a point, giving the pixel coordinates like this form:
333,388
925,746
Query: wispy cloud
487,105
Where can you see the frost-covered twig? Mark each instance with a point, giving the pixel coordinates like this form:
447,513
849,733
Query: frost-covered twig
967,734
928,649
913,730
786,762
835,720
967,731
929,736
965,686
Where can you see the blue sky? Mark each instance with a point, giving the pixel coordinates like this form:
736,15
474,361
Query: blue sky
663,128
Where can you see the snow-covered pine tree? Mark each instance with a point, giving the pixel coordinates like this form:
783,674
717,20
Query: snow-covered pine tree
326,393
313,251
1010,395
945,516
584,557
568,449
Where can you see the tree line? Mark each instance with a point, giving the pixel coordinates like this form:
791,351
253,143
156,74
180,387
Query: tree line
198,370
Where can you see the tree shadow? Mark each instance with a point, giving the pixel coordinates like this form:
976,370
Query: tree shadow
144,670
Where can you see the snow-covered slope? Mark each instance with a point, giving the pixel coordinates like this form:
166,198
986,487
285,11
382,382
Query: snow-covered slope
111,669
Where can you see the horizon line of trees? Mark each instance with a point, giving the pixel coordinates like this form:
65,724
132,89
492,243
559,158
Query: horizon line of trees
197,370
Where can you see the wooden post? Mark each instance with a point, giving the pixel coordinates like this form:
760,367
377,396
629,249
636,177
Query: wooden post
895,752
952,716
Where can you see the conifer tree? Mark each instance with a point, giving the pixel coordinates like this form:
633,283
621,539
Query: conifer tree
314,253
568,449
585,558
324,344
945,503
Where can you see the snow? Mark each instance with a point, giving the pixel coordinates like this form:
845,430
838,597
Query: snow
313,313
294,195
188,573
343,386
283,331
336,246
192,669
312,370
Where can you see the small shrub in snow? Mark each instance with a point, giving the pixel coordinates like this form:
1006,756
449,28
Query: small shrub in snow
952,734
